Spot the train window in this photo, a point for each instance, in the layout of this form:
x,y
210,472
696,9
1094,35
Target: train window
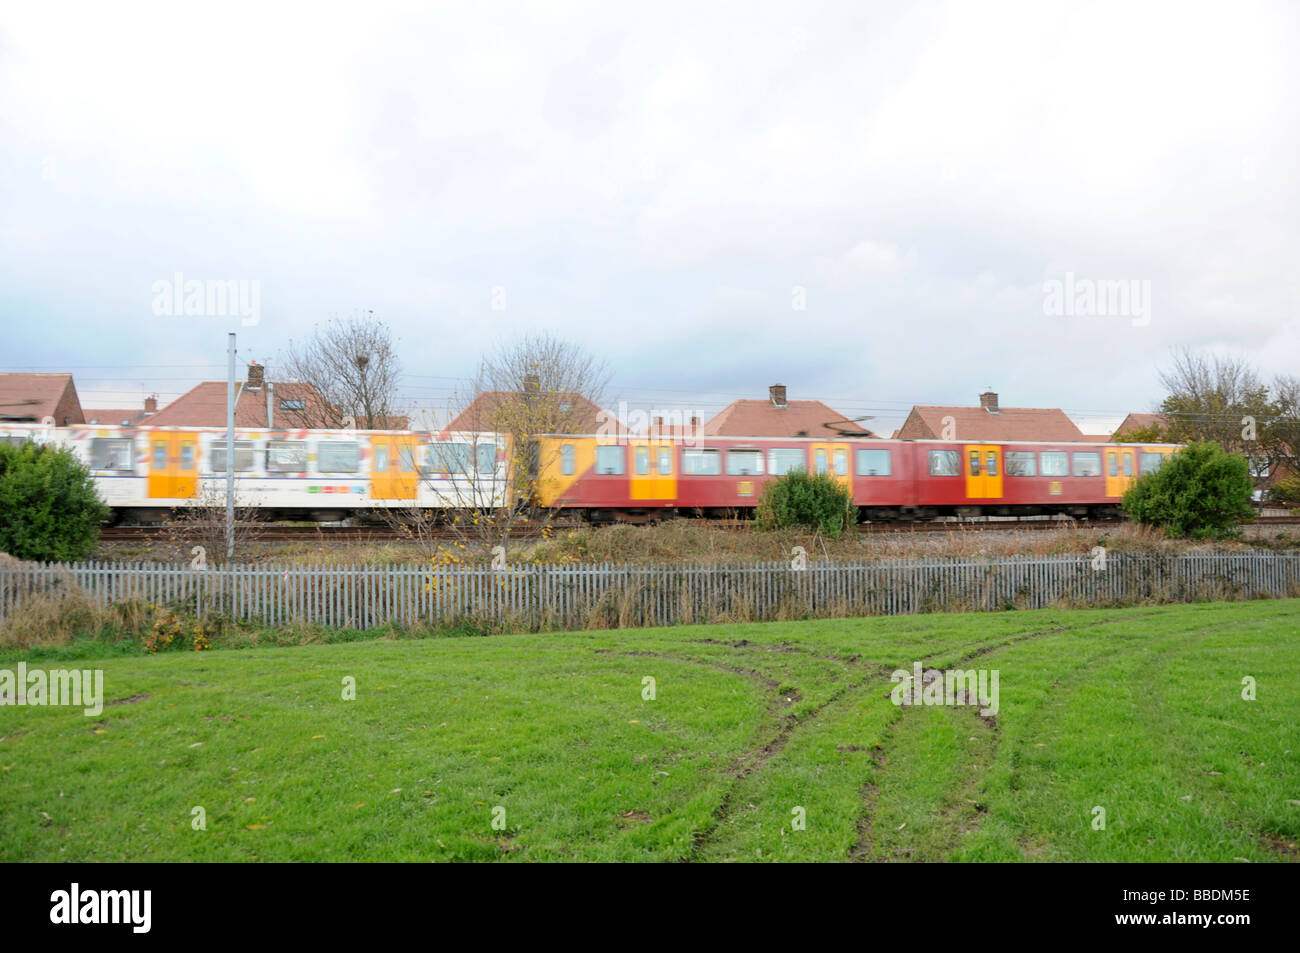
x,y
448,458
945,463
991,463
841,463
877,463
642,461
1021,463
159,455
381,458
110,453
338,456
567,459
1113,464
819,461
187,454
744,462
286,456
664,461
609,460
1151,462
974,463
243,456
781,461
1054,463
701,463
1087,464
1126,459
485,455
406,458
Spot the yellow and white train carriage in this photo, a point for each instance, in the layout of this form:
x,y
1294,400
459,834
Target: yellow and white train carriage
x,y
142,472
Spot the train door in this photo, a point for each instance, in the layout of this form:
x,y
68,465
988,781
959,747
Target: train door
x,y
1120,470
983,472
654,470
833,460
392,468
173,466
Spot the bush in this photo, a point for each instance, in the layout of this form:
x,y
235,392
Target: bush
x,y
815,501
1286,491
1200,493
49,509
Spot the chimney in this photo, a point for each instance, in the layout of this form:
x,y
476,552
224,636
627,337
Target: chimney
x,y
989,401
255,371
270,406
777,393
151,404
695,421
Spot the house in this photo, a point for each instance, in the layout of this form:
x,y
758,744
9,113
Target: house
x,y
123,416
258,403
506,411
992,422
1142,422
31,398
778,416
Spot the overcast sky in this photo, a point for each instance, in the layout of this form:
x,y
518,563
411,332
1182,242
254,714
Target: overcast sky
x,y
861,201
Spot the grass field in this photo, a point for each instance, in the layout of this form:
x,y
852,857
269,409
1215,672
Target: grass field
x,y
1137,711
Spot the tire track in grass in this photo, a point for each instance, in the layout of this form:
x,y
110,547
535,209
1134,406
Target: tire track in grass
x,y
982,753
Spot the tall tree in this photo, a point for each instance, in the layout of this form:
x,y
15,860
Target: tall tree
x,y
353,365
1223,399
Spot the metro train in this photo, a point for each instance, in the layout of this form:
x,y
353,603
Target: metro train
x,y
144,472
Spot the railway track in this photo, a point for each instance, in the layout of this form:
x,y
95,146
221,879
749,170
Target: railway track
x,y
330,535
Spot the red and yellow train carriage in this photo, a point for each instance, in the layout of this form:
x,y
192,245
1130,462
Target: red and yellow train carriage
x,y
646,478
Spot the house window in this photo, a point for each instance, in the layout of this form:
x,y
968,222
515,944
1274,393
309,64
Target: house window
x,y
293,404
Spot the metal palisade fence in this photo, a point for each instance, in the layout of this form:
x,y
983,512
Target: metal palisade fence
x,y
533,597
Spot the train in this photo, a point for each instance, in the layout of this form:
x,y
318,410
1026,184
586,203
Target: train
x,y
144,473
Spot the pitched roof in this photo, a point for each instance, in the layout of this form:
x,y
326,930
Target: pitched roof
x,y
796,418
37,396
489,411
114,417
1135,421
205,406
976,423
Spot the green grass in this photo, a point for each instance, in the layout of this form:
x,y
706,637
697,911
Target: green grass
x,y
1138,711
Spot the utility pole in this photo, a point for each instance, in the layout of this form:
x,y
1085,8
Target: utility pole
x,y
230,448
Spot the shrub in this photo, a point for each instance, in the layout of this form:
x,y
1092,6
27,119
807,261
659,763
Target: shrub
x,y
49,509
816,501
1200,493
1286,491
